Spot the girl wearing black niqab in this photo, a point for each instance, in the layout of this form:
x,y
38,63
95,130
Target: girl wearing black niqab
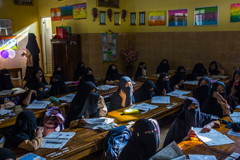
x,y
198,71
203,91
112,74
79,71
163,66
37,76
214,69
123,97
6,79
6,154
141,71
59,71
163,85
58,86
32,55
179,78
215,103
87,76
190,116
144,142
85,104
145,92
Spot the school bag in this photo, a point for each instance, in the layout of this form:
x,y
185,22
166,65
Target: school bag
x,y
53,120
115,141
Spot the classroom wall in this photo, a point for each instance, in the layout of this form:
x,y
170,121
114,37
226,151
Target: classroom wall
x,y
24,21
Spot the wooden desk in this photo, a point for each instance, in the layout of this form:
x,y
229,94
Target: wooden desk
x,y
221,152
19,92
87,141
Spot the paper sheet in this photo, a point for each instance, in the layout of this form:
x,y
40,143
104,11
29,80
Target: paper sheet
x,y
69,82
171,151
201,157
235,116
177,93
4,111
161,99
105,87
191,82
143,107
31,156
212,138
68,97
238,106
7,92
219,77
232,133
38,104
95,123
53,143
60,135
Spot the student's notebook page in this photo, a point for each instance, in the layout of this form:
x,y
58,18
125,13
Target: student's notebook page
x,y
7,92
232,133
191,82
219,77
143,107
171,151
4,111
38,104
31,156
53,143
105,87
95,123
68,97
60,135
201,157
161,99
235,116
212,138
177,93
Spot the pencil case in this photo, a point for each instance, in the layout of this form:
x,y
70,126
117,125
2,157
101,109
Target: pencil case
x,y
53,99
131,111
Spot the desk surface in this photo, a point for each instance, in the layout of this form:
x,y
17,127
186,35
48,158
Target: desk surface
x,y
87,141
19,92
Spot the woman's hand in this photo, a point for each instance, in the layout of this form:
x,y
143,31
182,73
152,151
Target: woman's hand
x,y
191,133
39,133
176,87
34,92
122,94
164,92
81,122
207,128
181,82
218,96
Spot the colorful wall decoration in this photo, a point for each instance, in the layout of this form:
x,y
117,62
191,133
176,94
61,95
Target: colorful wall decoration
x,y
8,42
67,12
80,11
235,12
178,17
157,18
108,3
204,16
109,46
56,14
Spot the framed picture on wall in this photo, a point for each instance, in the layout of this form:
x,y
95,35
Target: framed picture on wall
x,y
117,18
133,18
23,2
56,14
142,18
235,12
80,11
102,17
108,3
157,18
206,16
67,12
178,17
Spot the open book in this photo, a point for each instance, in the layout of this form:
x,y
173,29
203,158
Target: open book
x,y
7,92
68,98
38,104
143,107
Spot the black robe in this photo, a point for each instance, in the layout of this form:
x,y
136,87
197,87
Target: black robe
x,y
174,80
112,75
33,79
79,71
6,82
23,129
33,48
203,91
237,94
116,100
163,67
6,154
215,71
85,103
185,120
144,93
160,85
198,71
59,73
139,71
86,78
58,87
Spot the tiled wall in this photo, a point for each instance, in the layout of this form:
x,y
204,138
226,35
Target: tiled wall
x,y
180,48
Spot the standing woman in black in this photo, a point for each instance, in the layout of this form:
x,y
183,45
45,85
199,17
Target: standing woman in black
x,y
141,71
163,67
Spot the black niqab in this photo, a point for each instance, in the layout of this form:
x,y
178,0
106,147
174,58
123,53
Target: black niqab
x,y
112,75
59,73
139,71
162,85
203,91
6,81
215,71
79,71
174,80
6,154
33,79
163,67
198,71
144,93
33,48
58,87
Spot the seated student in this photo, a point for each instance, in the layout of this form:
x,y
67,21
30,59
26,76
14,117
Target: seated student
x,y
203,91
123,97
163,85
6,154
190,116
58,70
87,76
58,86
79,71
5,79
145,92
25,133
179,78
214,69
36,77
141,71
144,142
163,67
198,72
233,90
5,104
112,75
86,103
36,93
215,103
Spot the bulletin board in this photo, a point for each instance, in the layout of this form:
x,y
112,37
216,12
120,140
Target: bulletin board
x,y
109,47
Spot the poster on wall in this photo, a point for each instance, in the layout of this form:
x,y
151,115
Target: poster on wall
x,y
80,11
235,12
108,3
205,16
109,47
157,18
6,27
56,14
8,42
23,2
178,17
67,12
